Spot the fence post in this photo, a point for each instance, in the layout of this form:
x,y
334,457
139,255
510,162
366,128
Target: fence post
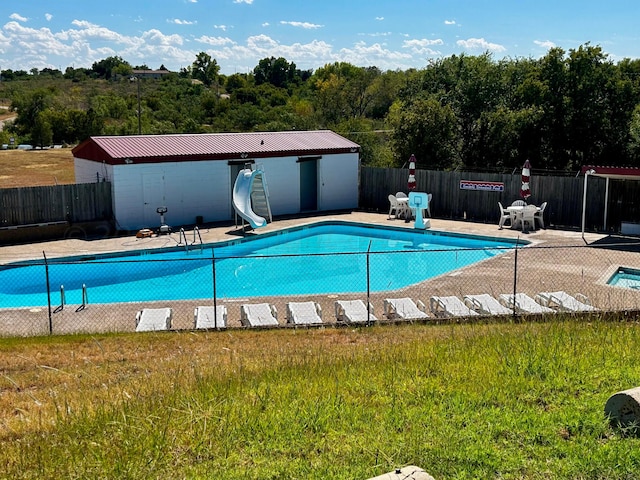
x,y
46,271
368,286
515,278
215,295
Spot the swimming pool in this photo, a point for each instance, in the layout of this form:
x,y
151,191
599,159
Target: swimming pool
x,y
322,258
626,277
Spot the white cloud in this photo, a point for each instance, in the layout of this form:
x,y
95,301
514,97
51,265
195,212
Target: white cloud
x,y
422,47
305,25
215,41
221,27
18,18
379,18
480,44
449,22
266,24
248,2
177,21
48,16
545,44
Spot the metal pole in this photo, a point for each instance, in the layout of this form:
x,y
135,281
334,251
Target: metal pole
x,y
368,285
215,296
515,278
46,269
139,111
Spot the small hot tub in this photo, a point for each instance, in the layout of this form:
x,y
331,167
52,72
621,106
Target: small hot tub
x,y
625,277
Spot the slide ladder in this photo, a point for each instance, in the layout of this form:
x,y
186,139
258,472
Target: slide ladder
x,y
260,196
250,196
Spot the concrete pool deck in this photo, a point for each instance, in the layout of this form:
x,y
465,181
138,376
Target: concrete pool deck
x,y
210,234
563,262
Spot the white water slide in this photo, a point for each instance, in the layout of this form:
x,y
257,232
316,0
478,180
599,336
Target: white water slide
x,y
242,198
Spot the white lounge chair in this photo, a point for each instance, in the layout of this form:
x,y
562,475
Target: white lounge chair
x,y
563,302
210,317
404,308
258,315
153,319
354,311
523,303
304,313
450,306
485,304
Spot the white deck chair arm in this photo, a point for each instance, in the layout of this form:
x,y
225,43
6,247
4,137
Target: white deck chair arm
x,y
543,300
472,303
274,311
583,298
319,309
421,306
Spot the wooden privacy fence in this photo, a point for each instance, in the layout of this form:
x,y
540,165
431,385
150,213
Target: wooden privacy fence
x,y
74,203
89,202
564,196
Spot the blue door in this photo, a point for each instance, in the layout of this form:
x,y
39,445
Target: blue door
x,y
308,184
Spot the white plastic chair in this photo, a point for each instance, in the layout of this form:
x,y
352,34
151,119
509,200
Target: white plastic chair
x,y
505,215
258,315
304,313
353,311
210,317
153,319
529,217
539,215
393,206
404,308
523,303
564,302
429,197
518,203
450,306
485,304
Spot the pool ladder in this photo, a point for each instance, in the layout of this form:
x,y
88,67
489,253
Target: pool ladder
x,y
85,299
183,235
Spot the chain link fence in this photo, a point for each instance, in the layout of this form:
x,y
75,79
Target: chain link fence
x,y
105,293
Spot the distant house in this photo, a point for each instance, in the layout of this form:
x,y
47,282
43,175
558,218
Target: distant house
x,y
193,174
154,74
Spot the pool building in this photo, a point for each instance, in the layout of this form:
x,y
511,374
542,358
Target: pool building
x,y
192,175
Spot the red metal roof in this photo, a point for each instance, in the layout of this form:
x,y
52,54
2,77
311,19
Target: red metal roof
x,y
620,173
216,146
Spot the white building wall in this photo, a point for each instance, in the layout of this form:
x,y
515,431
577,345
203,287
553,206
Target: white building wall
x,y
203,188
87,171
189,189
283,183
338,178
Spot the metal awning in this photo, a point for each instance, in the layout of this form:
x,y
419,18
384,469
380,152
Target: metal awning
x,y
617,173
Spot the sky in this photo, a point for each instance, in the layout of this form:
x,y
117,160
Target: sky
x,y
390,35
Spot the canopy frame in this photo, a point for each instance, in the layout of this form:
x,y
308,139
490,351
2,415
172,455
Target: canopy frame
x,y
616,173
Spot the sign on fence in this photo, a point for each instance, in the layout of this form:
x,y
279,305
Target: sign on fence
x,y
479,185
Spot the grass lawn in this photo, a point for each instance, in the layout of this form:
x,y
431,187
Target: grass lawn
x,y
461,401
34,168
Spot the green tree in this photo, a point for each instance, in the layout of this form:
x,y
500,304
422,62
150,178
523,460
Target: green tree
x,y
426,128
111,66
205,69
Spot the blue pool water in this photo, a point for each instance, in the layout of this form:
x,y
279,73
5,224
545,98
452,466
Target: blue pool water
x,y
328,257
626,277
